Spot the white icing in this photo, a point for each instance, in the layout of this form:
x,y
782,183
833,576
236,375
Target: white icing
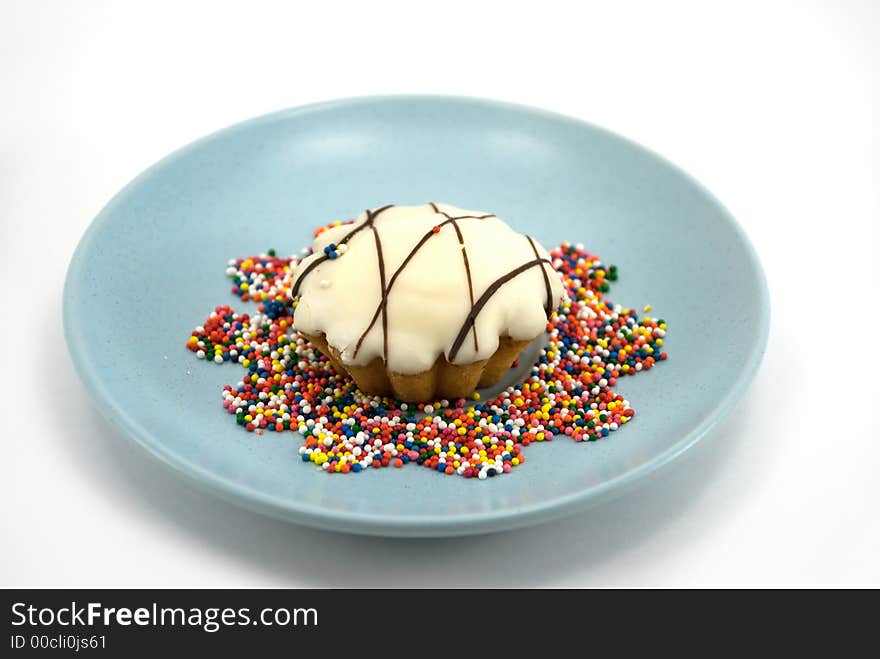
x,y
429,301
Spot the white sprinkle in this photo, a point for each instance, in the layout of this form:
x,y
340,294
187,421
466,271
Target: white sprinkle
x,y
324,283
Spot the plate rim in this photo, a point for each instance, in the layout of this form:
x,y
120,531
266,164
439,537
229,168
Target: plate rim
x,y
383,524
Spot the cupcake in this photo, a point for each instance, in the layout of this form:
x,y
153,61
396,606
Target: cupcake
x,y
424,302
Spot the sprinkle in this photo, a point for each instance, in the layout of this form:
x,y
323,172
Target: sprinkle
x,y
324,283
288,385
333,250
647,308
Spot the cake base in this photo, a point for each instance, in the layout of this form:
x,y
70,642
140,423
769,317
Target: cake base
x,y
443,380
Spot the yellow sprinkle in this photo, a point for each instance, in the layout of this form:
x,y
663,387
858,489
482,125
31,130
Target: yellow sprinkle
x,y
647,308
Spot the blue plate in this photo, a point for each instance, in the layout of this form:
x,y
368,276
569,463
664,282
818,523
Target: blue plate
x,y
151,266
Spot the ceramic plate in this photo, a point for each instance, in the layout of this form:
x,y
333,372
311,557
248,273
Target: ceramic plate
x,y
151,266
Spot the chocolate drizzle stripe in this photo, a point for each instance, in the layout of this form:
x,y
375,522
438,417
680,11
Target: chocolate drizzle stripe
x,y
311,266
381,258
460,217
467,269
548,305
383,303
484,298
371,216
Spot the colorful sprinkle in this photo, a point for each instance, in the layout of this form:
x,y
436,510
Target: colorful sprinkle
x,y
288,385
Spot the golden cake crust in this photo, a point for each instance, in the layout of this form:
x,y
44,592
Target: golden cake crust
x,y
443,380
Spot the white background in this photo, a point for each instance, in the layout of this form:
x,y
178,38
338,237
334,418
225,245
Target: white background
x,y
772,105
